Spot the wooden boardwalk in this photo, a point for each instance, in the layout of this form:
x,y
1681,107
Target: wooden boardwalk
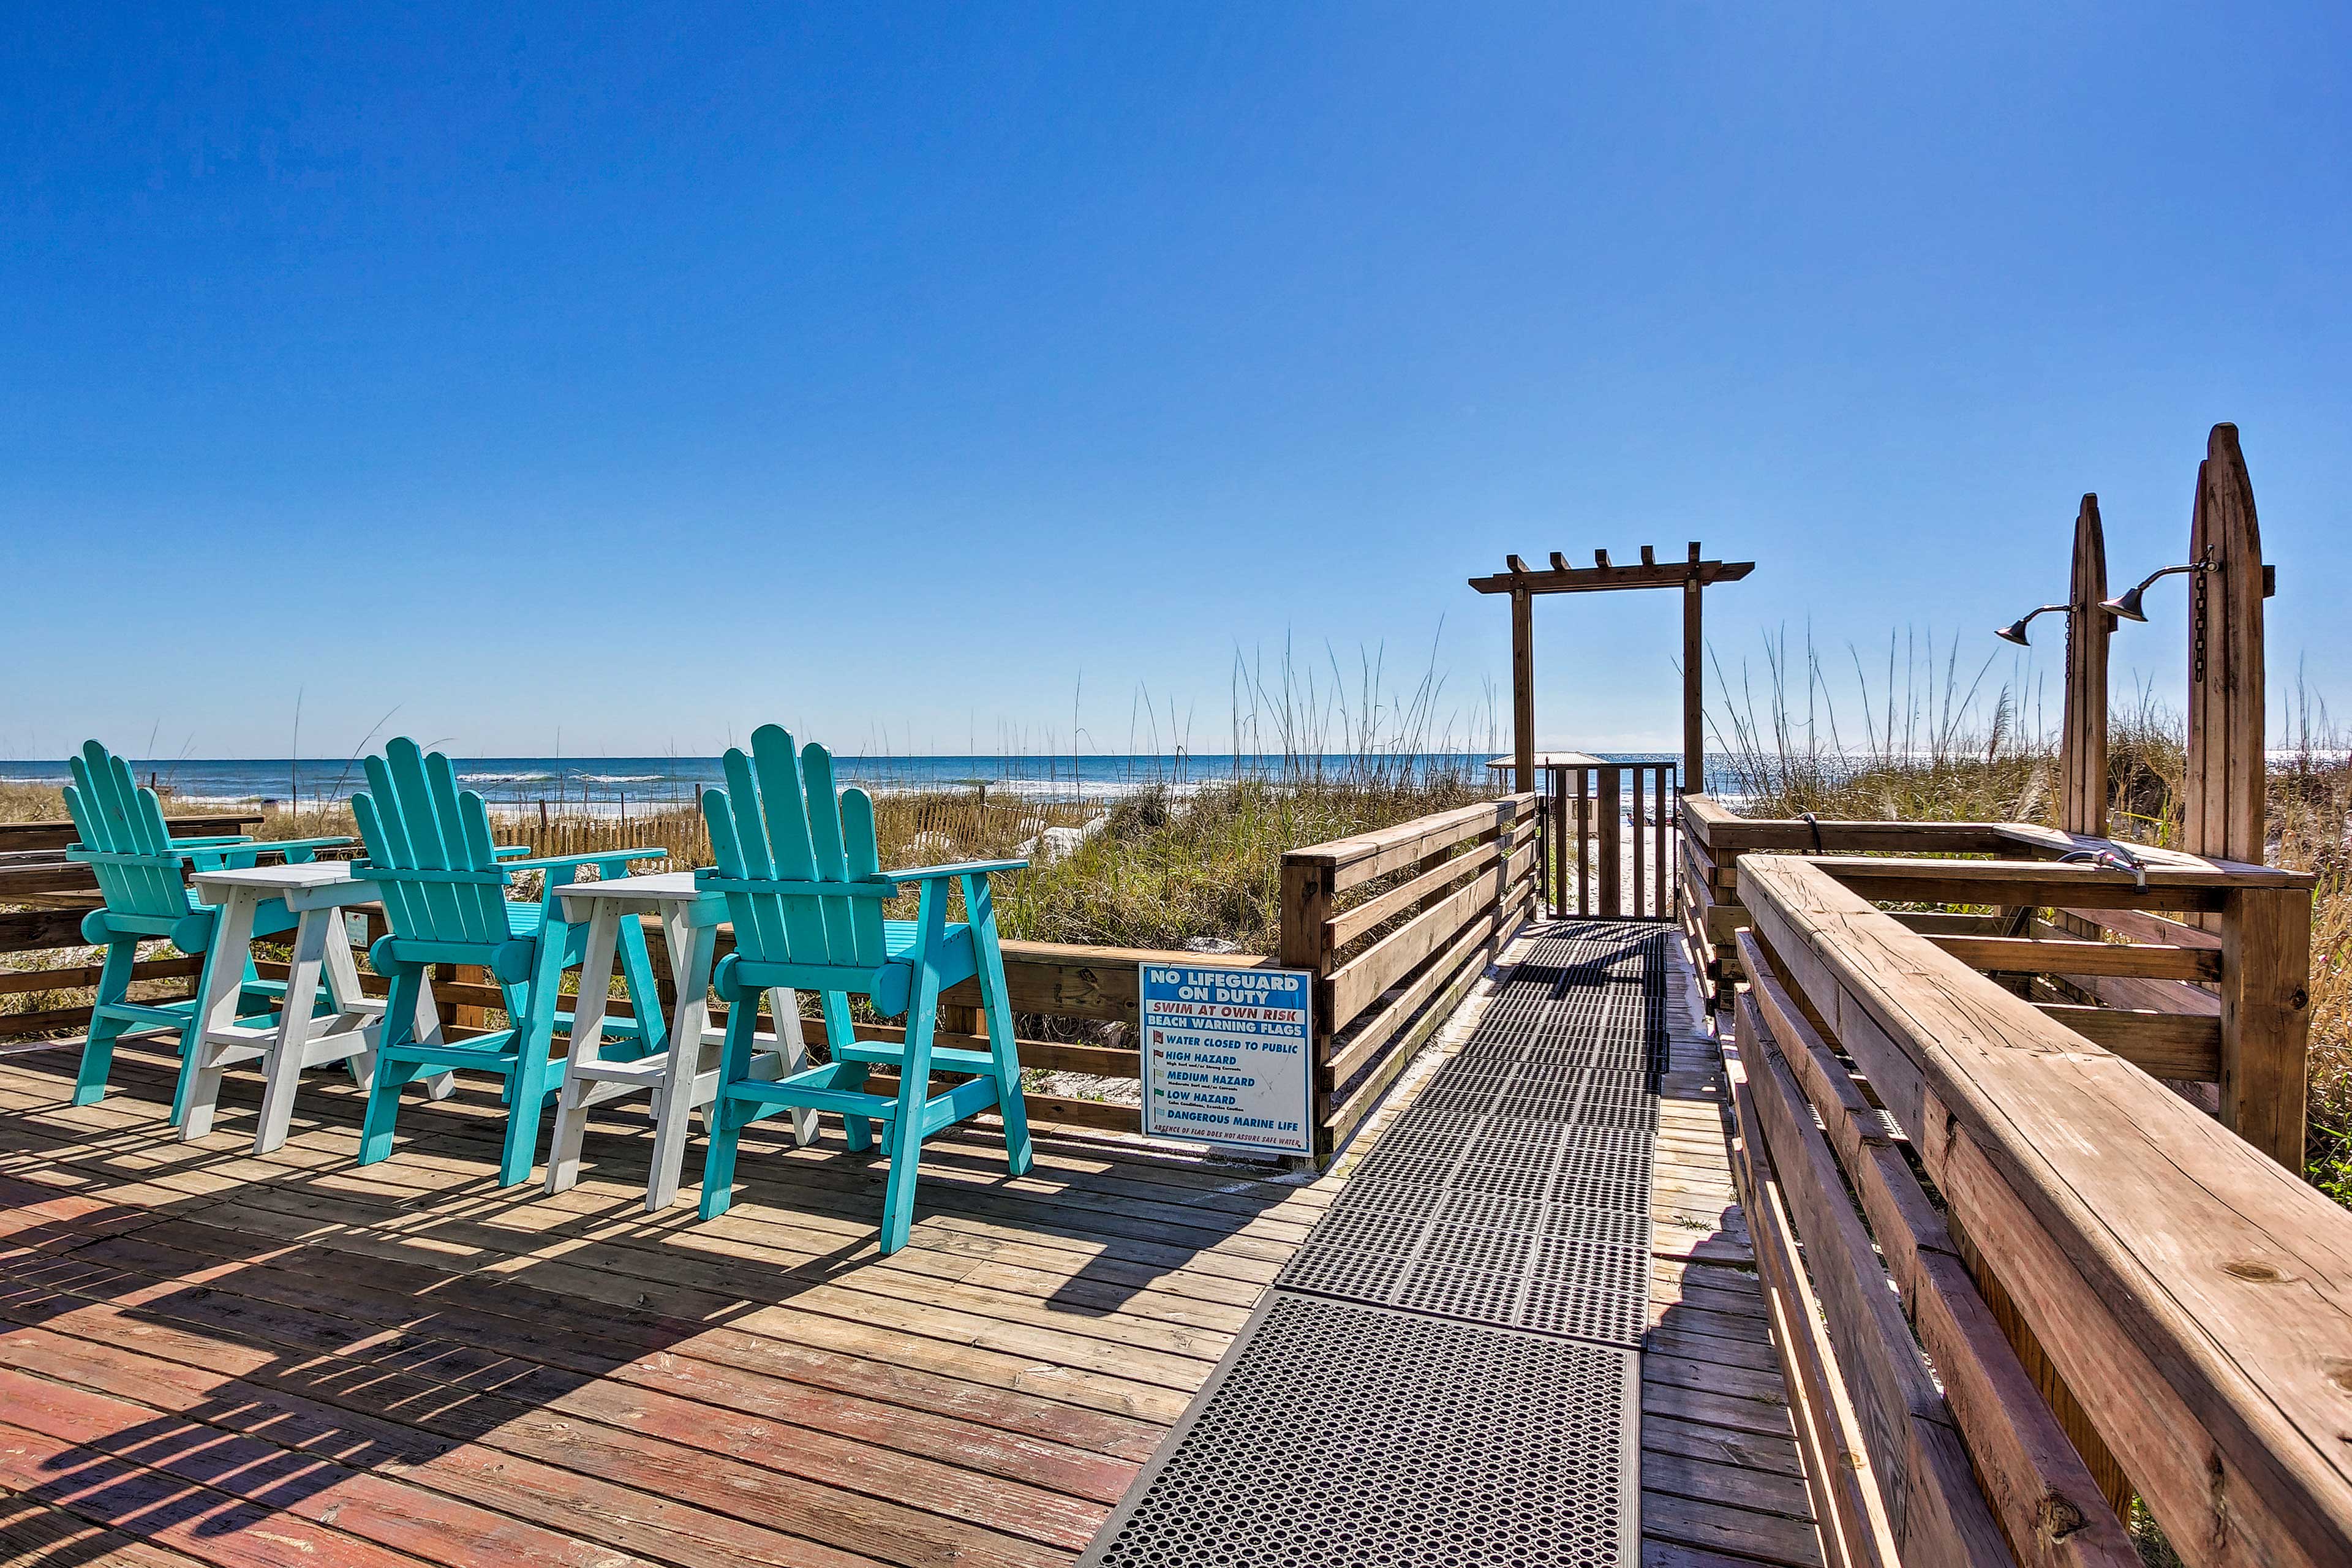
x,y
1722,1486
1721,1483
209,1357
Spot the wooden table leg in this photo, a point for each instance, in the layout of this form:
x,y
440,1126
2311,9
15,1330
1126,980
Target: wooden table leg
x,y
587,1045
220,991
353,1009
692,948
282,1062
791,1052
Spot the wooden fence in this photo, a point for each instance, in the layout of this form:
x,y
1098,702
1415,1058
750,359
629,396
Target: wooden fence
x,y
51,895
1391,957
1394,925
2227,1005
2016,1281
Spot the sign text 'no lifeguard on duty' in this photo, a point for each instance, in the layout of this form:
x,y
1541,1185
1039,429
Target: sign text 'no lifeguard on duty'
x,y
1226,1057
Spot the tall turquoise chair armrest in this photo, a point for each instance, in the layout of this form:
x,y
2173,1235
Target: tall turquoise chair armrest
x,y
240,854
587,857
963,868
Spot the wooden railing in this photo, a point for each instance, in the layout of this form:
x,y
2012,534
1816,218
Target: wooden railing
x,y
2015,1280
1395,925
2196,971
1045,981
53,894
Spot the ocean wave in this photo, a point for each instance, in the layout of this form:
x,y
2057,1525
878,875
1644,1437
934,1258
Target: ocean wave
x,y
620,778
503,778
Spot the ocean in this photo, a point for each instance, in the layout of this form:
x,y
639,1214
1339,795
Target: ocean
x,y
612,785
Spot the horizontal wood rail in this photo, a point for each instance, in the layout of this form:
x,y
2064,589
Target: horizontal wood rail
x,y
1391,964
2182,998
1394,925
1044,979
2072,955
57,835
2185,1302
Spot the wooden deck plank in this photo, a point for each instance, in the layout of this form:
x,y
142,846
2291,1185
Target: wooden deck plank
x,y
408,1361
832,1440
38,1532
224,1305
1722,1480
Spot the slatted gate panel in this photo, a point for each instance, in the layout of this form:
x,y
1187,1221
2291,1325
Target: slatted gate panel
x,y
1595,814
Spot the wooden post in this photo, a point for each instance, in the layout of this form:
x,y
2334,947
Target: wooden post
x,y
2083,742
2222,813
1523,691
1694,685
1640,893
469,1016
1584,787
1306,895
2266,1017
1553,888
1611,846
1669,885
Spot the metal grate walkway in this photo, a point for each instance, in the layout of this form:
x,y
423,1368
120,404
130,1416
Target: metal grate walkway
x,y
1447,1371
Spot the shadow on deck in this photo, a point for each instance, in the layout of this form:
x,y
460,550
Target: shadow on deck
x,y
244,1360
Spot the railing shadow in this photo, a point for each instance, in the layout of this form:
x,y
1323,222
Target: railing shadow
x,y
204,1343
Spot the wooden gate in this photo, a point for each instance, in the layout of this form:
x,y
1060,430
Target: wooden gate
x,y
1609,827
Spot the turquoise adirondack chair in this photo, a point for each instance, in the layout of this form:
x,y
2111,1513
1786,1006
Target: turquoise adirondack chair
x,y
143,874
444,884
800,870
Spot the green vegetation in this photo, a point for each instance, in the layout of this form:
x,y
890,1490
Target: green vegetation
x,y
1171,867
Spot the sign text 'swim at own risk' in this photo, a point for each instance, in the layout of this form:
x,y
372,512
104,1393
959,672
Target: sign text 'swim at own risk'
x,y
1226,1057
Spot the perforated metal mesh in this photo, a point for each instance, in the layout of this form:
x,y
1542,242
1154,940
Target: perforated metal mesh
x,y
1445,1373
1516,1189
1340,1433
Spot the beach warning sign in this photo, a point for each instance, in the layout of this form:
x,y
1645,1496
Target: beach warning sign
x,y
1226,1057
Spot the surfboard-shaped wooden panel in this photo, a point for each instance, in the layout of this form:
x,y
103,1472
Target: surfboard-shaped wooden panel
x,y
2082,742
2221,813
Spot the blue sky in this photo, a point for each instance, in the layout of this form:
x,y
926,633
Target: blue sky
x,y
914,374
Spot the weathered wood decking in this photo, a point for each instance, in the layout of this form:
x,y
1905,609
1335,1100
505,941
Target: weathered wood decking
x,y
206,1356
1721,1480
1722,1485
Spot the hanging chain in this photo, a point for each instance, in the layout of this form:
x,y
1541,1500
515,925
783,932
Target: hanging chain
x,y
2197,627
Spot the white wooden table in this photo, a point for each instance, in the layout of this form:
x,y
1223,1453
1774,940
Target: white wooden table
x,y
317,893
683,1076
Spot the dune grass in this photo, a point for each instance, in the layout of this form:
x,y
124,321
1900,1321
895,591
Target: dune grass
x,y
1171,867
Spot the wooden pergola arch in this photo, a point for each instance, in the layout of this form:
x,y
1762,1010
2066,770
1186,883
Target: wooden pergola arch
x,y
1691,575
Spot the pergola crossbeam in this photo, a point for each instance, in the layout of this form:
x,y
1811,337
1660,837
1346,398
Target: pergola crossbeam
x,y
1564,579
1690,575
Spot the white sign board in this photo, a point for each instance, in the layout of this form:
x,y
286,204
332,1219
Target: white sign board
x,y
1227,1057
